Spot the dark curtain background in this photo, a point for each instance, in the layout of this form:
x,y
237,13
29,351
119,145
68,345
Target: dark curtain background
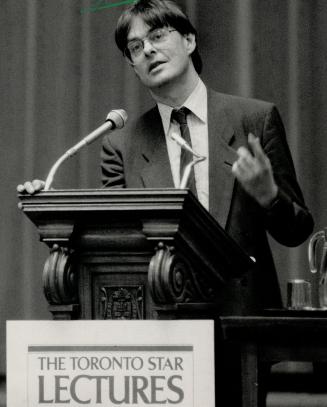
x,y
60,74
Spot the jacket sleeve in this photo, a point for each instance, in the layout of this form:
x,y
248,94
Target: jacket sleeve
x,y
112,167
287,219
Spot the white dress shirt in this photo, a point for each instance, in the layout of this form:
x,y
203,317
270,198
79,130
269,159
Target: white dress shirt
x,y
197,121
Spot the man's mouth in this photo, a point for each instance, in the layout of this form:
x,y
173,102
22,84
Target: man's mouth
x,y
154,65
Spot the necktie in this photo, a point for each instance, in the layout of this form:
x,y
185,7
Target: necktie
x,y
180,116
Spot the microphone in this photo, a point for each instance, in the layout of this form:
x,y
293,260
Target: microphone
x,y
179,140
187,172
116,119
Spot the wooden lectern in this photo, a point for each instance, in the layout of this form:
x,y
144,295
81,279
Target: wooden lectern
x,y
132,254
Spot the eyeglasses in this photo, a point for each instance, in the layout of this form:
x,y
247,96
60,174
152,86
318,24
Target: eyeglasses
x,y
156,37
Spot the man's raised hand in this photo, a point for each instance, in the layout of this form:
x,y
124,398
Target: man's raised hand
x,y
254,172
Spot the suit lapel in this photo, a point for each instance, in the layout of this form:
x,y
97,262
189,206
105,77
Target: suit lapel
x,y
156,170
221,158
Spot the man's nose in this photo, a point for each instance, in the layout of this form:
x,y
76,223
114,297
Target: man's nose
x,y
148,48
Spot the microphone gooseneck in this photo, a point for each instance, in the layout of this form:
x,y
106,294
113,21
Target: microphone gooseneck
x,y
116,119
197,158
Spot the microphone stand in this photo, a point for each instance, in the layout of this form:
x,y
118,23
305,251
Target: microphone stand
x,y
72,151
196,159
116,119
187,171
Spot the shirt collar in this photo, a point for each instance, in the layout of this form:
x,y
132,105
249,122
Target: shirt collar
x,y
195,103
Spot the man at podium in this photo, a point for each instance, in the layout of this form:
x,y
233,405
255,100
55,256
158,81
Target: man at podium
x,y
247,180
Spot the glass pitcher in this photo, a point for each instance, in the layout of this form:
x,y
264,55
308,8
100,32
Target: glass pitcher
x,y
317,253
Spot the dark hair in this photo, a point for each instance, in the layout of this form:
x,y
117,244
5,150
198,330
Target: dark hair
x,y
157,14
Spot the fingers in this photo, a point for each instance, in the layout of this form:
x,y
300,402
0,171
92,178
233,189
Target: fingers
x,y
31,187
20,188
256,148
245,159
254,172
38,184
251,157
245,165
243,171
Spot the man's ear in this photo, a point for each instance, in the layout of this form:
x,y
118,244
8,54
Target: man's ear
x,y
190,42
129,61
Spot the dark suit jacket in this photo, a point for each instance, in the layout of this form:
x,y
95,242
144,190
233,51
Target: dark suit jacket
x,y
137,157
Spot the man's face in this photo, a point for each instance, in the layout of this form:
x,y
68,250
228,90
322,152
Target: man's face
x,y
160,65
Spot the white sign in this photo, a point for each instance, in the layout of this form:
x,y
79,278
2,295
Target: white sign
x,y
110,363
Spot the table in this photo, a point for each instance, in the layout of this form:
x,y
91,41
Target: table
x,y
271,339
